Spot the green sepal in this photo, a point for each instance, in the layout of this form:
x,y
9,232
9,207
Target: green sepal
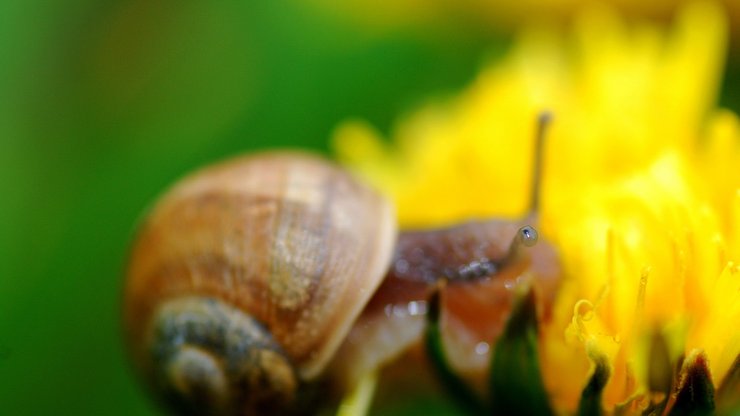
x,y
694,393
515,378
661,374
466,399
728,394
661,371
590,403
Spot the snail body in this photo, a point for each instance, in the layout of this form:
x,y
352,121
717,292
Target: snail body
x,y
255,283
477,268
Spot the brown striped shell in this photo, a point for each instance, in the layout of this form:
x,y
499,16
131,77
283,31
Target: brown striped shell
x,y
287,240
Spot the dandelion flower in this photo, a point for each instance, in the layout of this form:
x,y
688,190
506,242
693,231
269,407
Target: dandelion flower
x,y
640,196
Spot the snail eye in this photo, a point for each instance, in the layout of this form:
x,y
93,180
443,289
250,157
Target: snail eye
x,y
527,236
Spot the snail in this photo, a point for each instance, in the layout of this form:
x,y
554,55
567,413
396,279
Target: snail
x,y
259,284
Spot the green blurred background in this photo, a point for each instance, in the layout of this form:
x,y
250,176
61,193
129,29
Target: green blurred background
x,y
105,103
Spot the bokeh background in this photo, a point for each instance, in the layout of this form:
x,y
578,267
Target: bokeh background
x,y
103,103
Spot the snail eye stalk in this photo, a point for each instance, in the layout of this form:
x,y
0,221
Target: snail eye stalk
x,y
543,122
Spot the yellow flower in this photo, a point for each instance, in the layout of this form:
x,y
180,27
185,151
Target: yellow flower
x,y
640,195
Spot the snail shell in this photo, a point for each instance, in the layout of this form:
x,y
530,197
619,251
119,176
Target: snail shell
x,y
246,276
